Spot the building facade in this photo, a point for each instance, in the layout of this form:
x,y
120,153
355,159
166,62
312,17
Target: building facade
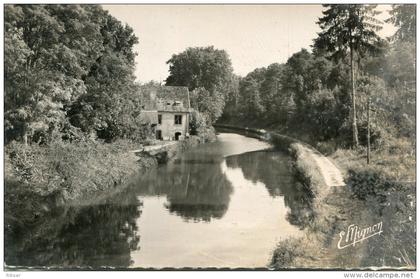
x,y
167,110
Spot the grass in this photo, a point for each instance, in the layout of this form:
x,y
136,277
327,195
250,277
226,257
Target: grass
x,y
39,178
382,191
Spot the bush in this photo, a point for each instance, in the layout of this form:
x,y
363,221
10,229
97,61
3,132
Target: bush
x,y
199,127
286,252
326,147
69,169
370,182
197,123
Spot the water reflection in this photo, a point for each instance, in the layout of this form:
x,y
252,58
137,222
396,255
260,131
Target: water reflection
x,y
195,187
89,236
224,204
268,167
273,169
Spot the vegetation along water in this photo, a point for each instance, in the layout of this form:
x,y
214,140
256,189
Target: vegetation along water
x,y
76,195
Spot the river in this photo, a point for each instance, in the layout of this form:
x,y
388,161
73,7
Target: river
x,y
222,204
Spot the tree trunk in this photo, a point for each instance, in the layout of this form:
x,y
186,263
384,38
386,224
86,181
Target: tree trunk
x,y
25,134
368,130
353,101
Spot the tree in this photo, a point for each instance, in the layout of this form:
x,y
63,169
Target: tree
x,y
197,123
271,88
203,67
349,29
231,107
110,105
251,103
44,65
67,67
403,16
209,105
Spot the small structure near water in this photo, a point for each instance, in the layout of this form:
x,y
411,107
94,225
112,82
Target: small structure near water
x,y
167,110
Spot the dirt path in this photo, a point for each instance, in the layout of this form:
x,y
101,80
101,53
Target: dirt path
x,y
331,174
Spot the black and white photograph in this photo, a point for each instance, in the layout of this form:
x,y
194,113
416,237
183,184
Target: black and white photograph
x,y
209,137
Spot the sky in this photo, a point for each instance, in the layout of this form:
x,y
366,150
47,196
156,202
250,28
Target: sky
x,y
254,36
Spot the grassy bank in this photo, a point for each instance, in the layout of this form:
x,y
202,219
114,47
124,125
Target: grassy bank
x,y
39,179
383,191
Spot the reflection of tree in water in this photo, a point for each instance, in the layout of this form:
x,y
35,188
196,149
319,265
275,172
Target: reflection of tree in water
x,y
90,236
299,200
267,167
272,169
196,188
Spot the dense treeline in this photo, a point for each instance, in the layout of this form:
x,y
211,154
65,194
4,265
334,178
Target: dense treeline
x,y
68,73
311,94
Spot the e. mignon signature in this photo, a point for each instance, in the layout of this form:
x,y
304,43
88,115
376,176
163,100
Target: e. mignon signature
x,y
355,234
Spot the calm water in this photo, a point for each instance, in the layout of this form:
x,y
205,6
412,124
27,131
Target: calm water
x,y
223,204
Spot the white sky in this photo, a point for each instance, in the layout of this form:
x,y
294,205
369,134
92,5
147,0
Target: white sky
x,y
253,35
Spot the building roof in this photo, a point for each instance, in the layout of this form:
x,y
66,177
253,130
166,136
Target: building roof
x,y
165,98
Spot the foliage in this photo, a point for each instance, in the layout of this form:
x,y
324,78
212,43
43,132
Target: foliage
x,y
68,66
208,73
403,16
200,67
70,169
308,96
368,182
197,123
349,29
286,252
231,108
251,103
209,104
351,26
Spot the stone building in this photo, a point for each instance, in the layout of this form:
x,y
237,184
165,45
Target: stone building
x,y
167,110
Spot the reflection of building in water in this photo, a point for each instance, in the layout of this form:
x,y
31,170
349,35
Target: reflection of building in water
x,y
196,191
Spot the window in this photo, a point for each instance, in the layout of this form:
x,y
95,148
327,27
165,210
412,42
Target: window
x,y
178,119
159,119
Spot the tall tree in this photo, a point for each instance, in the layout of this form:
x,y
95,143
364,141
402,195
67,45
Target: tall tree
x,y
202,67
47,55
66,66
251,103
349,30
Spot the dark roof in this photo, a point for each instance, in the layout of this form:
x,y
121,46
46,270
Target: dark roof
x,y
167,98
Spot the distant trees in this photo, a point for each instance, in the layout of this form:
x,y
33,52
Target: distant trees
x,y
349,30
251,103
206,69
309,94
68,72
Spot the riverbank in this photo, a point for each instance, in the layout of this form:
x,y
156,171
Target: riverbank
x,y
39,179
372,194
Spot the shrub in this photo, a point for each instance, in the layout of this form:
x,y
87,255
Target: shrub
x,y
197,123
370,182
326,147
286,252
70,168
